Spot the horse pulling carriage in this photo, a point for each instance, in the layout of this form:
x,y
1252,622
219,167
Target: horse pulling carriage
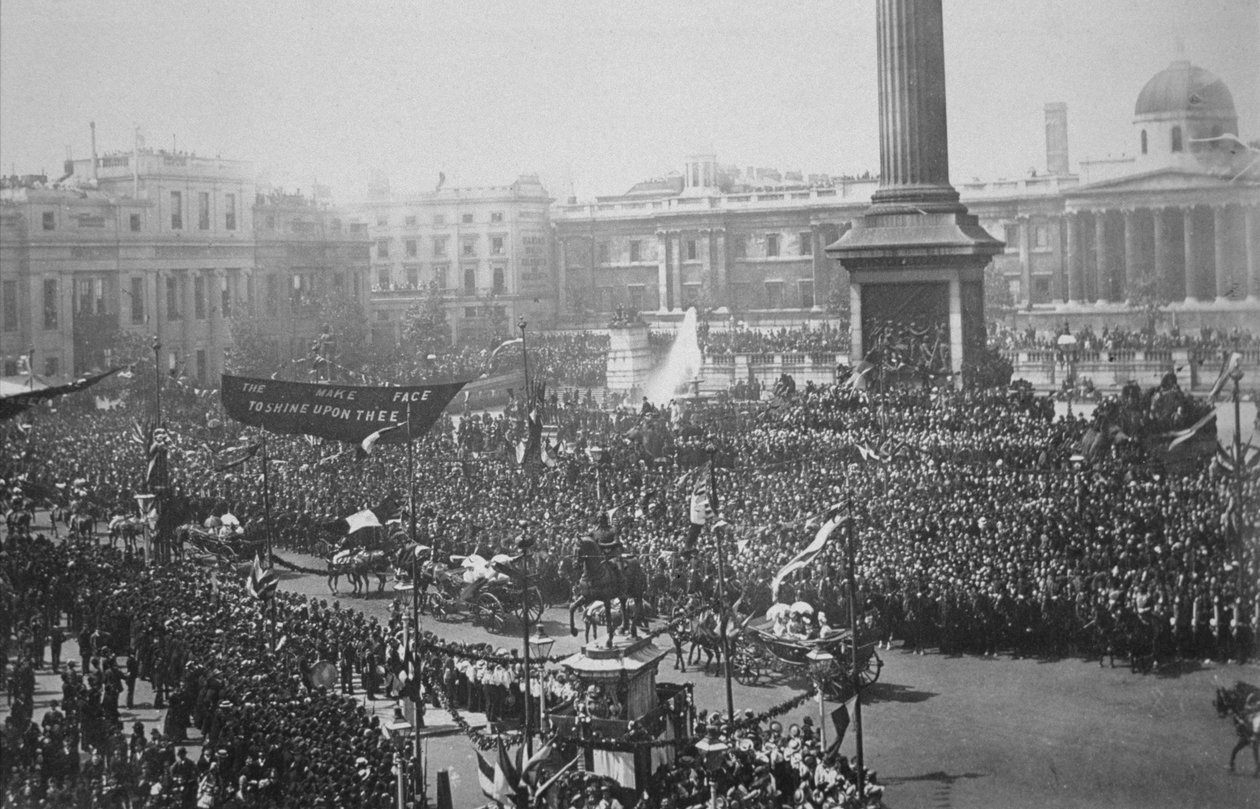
x,y
758,652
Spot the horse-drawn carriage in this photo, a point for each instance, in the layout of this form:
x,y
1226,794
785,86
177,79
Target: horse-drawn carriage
x,y
758,652
219,541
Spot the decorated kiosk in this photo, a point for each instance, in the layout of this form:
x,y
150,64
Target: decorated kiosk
x,y
623,723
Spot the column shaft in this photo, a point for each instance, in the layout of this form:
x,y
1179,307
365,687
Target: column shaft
x,y
1251,241
1025,264
1163,270
562,275
1191,254
1130,253
662,271
1102,263
1220,252
1075,261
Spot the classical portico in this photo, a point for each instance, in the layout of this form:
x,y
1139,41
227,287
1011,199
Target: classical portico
x,y
1201,242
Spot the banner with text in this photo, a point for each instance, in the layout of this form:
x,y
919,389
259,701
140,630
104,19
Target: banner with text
x,y
337,412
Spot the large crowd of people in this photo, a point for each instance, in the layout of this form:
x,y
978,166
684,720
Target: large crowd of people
x,y
980,525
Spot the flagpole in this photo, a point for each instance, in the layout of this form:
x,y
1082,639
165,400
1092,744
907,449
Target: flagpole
x,y
853,648
721,560
266,462
1236,376
421,790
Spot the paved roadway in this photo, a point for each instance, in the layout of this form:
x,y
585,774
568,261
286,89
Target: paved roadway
x,y
946,732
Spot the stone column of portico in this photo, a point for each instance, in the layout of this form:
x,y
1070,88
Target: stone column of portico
x,y
1251,241
1163,270
216,331
1220,251
676,277
662,270
1075,261
562,276
720,294
1102,260
1130,252
155,309
1191,254
1025,264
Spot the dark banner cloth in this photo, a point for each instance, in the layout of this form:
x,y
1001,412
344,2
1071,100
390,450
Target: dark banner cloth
x,y
337,412
11,406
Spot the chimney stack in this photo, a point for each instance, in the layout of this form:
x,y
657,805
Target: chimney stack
x,y
1057,139
94,175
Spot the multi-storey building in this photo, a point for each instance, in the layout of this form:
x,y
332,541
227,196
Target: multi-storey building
x,y
1185,211
485,251
149,242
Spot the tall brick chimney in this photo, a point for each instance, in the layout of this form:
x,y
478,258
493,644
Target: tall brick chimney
x,y
1056,138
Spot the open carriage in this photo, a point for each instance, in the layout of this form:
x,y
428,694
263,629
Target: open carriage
x,y
758,653
494,603
214,543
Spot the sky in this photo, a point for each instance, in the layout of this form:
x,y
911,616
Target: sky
x,y
592,96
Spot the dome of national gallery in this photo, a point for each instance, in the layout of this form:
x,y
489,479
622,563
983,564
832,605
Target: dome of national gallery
x,y
1185,89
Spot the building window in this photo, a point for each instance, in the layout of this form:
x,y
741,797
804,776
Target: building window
x,y
50,220
470,313
52,366
270,221
496,216
496,246
805,242
172,299
439,276
603,252
693,250
410,246
413,276
691,295
439,219
137,299
470,281
229,216
225,295
135,223
774,294
466,219
382,248
741,246
177,210
468,248
636,250
382,221
51,307
635,293
410,221
203,210
439,247
382,278
1176,139
498,280
199,298
1143,141
1011,236
772,245
807,293
10,306
201,366
273,295
1041,237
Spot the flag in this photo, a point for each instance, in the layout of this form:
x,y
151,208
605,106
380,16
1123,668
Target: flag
x,y
506,344
262,581
529,770
811,551
841,717
1228,367
869,454
250,452
496,780
365,447
1182,436
362,519
702,500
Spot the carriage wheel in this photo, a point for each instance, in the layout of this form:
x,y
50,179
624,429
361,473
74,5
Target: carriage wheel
x,y
489,613
746,664
536,605
868,674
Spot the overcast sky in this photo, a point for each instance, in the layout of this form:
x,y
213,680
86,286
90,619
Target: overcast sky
x,y
600,94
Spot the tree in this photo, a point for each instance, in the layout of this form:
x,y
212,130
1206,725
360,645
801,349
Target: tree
x,y
1148,296
343,319
425,330
998,300
251,353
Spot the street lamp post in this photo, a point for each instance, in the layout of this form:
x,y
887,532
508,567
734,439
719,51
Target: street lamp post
x,y
524,544
520,324
711,449
539,649
1067,343
398,733
713,750
821,666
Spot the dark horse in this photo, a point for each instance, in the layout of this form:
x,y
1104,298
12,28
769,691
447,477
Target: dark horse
x,y
604,579
1242,705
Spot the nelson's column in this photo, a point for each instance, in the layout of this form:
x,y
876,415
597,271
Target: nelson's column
x,y
916,258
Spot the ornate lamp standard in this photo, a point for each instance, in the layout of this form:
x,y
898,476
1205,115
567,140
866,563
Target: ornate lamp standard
x,y
539,649
399,733
1067,344
714,751
822,666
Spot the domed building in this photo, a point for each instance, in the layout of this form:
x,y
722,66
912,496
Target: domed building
x,y
1179,113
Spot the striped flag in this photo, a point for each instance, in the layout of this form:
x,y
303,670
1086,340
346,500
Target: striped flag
x,y
1181,436
840,719
496,780
262,582
703,504
365,448
1228,367
810,551
155,475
